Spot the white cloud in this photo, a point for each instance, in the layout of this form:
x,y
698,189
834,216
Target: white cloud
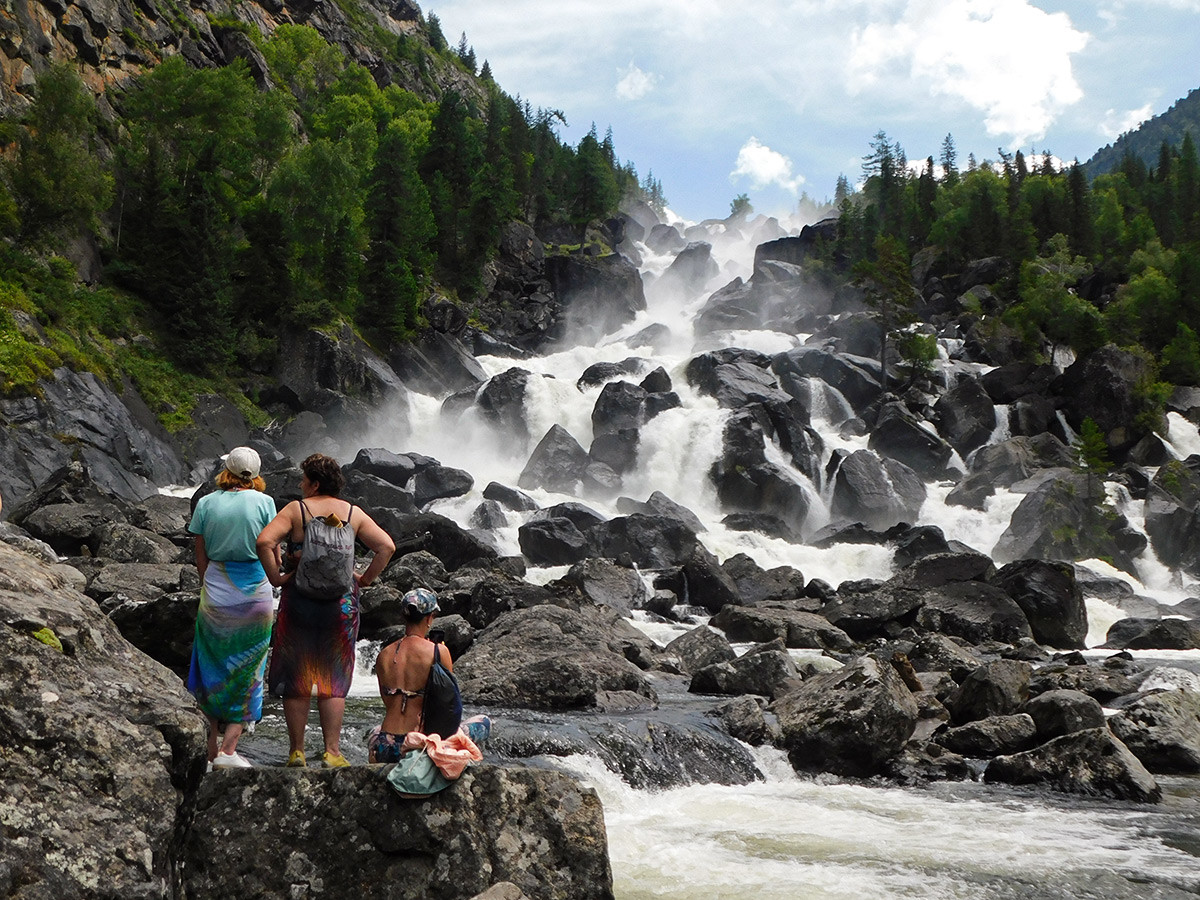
x,y
635,84
1117,123
764,166
1006,58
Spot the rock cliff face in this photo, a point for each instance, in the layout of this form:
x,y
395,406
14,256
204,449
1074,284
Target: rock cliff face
x,y
102,758
112,41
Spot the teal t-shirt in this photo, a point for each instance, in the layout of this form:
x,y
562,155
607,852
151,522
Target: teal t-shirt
x,y
229,522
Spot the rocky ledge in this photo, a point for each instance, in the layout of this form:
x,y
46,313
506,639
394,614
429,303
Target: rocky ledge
x,y
105,793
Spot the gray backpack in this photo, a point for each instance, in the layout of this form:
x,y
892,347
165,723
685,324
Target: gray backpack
x,y
326,567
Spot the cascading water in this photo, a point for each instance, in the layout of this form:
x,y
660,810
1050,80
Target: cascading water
x,y
788,836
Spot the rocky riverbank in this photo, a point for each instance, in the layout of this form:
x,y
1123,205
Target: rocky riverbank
x,y
102,758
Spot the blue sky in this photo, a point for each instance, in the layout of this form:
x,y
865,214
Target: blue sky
x,y
776,97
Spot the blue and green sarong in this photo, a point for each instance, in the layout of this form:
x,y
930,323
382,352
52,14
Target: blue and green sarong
x,y
233,633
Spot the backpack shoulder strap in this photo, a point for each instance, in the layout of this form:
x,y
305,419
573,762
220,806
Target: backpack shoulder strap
x,y
349,513
303,512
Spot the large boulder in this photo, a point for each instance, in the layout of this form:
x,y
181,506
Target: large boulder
x,y
346,832
1107,386
1004,464
692,268
850,721
700,647
1051,599
879,493
1056,713
1091,762
768,622
1163,730
557,463
76,416
1173,514
997,688
973,610
855,378
1064,519
598,294
901,436
132,741
546,657
966,416
765,671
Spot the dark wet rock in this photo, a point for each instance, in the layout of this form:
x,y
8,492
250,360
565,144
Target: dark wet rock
x,y
616,449
993,736
116,583
1153,634
619,407
395,468
766,672
545,657
69,526
879,493
1006,463
856,378
997,688
488,515
743,719
659,504
535,828
77,419
966,416
502,401
900,435
735,378
436,363
599,373
795,628
419,568
938,653
443,538
556,464
136,739
163,628
771,526
1091,762
921,762
1103,683
700,647
483,596
938,569
706,584
652,542
1059,521
598,294
1163,731
1106,386
373,492
607,584
1173,514
692,268
756,585
122,542
1051,599
656,382
919,542
440,482
1062,712
1008,383
164,515
850,721
509,497
867,610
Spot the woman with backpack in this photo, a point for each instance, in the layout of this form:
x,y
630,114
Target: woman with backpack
x,y
317,626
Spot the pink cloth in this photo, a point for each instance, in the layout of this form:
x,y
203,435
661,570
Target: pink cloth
x,y
451,755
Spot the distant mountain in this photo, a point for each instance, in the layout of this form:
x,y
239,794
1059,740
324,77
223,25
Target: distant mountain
x,y
1147,139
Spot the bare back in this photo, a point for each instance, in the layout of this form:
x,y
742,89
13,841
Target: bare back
x,y
402,670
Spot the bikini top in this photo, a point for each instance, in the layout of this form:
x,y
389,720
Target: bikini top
x,y
406,695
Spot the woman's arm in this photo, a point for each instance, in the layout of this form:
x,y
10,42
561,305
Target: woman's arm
x,y
378,542
201,555
279,529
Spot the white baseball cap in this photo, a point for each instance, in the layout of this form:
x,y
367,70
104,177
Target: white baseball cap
x,y
243,462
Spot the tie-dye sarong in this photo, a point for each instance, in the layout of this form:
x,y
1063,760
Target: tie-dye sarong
x,y
314,645
233,632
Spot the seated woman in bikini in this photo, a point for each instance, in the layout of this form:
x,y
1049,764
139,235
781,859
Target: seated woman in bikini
x,y
403,669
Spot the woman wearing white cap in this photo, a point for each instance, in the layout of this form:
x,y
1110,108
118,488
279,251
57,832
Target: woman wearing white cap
x,y
233,623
